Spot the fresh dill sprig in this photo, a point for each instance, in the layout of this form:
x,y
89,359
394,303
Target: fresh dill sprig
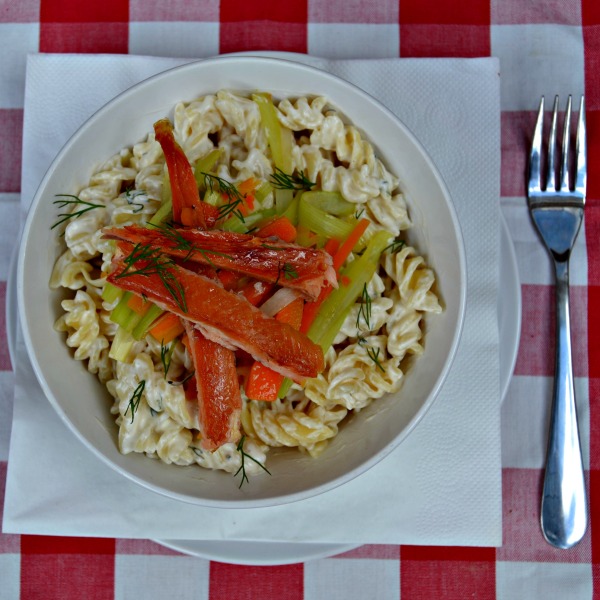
x,y
396,245
359,213
166,354
184,380
373,354
244,455
288,272
296,181
130,194
364,309
73,201
230,190
135,399
155,264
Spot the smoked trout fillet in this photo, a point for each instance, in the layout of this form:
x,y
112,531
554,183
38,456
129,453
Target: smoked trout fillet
x,y
222,316
289,265
218,390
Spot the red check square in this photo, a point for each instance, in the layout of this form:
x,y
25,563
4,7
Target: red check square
x,y
88,27
447,572
445,12
232,581
262,35
87,38
590,12
236,11
592,116
74,11
594,391
593,333
55,567
594,504
458,29
263,25
458,40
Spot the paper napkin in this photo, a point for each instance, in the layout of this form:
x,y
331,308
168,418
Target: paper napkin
x,y
442,485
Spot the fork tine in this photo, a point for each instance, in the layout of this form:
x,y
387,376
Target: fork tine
x,y
551,175
581,152
564,171
535,173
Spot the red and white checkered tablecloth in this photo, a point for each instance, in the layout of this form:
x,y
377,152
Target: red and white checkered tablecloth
x,y
544,47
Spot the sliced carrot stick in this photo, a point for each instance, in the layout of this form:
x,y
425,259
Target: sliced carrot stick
x,y
344,250
263,383
280,227
312,308
166,328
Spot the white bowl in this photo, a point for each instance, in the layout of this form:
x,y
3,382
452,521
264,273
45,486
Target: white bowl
x,y
83,403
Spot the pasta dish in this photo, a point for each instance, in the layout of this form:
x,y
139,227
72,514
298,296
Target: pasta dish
x,y
241,280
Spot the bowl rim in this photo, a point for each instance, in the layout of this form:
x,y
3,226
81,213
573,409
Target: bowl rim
x,y
284,498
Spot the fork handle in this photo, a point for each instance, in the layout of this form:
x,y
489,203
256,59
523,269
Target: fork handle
x,y
564,505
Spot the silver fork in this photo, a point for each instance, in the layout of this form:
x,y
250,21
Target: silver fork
x,y
557,211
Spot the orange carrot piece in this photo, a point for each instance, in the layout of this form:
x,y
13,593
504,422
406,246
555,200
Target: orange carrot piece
x,y
247,186
344,250
166,328
292,313
263,383
280,227
138,304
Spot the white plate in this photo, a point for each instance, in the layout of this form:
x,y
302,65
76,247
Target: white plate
x,y
280,553
264,554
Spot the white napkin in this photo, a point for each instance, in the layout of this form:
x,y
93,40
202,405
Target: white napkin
x,y
441,486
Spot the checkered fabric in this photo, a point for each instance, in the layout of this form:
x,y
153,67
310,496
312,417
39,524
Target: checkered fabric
x,y
544,46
